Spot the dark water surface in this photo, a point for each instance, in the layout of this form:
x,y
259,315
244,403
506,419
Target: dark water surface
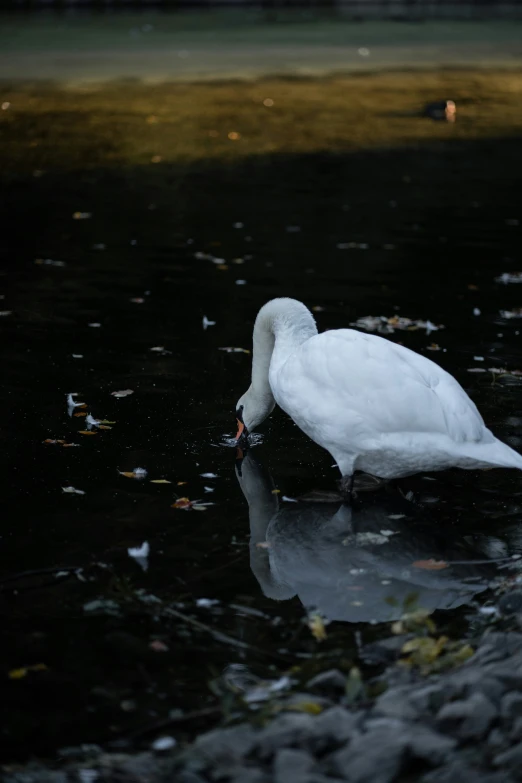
x,y
434,227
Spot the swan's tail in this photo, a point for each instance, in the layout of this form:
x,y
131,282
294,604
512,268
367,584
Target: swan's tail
x,y
495,455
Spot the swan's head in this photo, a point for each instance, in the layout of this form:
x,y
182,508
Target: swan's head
x,y
251,410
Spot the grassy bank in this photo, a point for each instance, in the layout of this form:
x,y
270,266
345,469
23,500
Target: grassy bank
x,y
130,124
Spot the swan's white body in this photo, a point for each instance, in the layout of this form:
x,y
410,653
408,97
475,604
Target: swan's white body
x,y
374,405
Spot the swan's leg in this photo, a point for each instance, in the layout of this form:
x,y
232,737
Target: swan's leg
x,y
362,482
346,486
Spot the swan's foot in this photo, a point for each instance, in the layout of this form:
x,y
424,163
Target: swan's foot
x,y
362,482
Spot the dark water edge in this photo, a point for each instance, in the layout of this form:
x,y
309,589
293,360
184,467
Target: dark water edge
x,y
449,209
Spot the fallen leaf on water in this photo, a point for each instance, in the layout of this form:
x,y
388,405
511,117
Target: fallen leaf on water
x,y
316,625
160,481
18,674
423,650
79,414
385,325
509,277
50,440
431,564
182,503
158,646
48,262
104,427
311,707
72,403
72,491
137,473
140,554
87,432
122,393
187,505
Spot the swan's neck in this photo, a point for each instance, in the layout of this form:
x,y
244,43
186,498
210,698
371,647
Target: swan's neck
x,y
281,326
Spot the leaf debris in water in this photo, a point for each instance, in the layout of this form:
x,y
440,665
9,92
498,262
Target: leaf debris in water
x,y
140,554
516,313
187,505
385,325
316,625
48,262
431,564
72,491
137,473
72,403
122,393
18,674
87,432
509,277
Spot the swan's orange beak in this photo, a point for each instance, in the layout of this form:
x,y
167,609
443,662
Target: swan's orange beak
x,y
240,429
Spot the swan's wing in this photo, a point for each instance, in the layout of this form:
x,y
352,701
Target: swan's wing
x,y
344,380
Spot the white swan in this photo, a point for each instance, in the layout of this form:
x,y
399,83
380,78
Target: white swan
x,y
375,406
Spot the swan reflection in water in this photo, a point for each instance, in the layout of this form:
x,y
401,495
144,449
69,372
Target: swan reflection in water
x,y
355,562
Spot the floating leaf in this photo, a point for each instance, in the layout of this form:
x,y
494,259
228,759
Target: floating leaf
x,y
137,473
354,688
18,674
431,564
104,427
72,491
310,707
316,625
158,646
160,481
424,650
184,503
79,414
87,432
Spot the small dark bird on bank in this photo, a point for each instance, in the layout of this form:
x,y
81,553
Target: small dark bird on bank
x,y
441,110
